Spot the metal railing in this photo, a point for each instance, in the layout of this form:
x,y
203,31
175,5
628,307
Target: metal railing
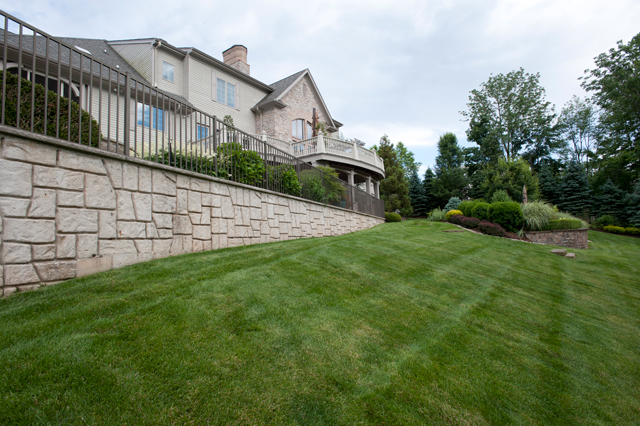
x,y
54,89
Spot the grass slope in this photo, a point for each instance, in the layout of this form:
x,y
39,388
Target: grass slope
x,y
399,324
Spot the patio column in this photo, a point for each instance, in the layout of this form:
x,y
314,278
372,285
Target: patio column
x,y
352,177
377,189
369,185
320,143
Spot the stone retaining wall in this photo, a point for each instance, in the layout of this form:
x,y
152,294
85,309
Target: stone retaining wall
x,y
68,211
574,238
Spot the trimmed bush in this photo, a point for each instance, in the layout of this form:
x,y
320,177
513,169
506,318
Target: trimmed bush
x,y
481,211
560,224
466,206
491,229
452,213
470,222
456,219
452,204
614,229
506,214
632,231
392,217
604,220
437,215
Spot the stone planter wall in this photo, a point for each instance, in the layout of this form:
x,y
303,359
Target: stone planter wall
x,y
68,211
574,238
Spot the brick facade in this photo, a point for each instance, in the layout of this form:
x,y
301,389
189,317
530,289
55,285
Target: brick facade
x,y
68,210
574,238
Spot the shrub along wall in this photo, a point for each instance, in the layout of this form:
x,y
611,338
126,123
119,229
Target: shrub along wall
x,y
69,210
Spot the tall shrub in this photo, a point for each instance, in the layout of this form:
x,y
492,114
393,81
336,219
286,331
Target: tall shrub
x,y
481,211
506,214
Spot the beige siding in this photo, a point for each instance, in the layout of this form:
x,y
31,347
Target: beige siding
x,y
202,95
177,87
139,57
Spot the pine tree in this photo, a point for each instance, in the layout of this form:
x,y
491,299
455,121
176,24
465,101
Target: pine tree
x,y
549,185
575,196
394,188
610,201
418,195
633,205
427,183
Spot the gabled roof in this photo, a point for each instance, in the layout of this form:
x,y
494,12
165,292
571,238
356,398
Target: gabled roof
x,y
282,87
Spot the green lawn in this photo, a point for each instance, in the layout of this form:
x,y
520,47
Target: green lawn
x,y
400,324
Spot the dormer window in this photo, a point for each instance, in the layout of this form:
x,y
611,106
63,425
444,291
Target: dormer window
x,y
167,71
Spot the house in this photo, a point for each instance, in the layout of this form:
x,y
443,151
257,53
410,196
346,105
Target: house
x,y
175,92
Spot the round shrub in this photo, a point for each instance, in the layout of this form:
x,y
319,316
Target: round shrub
x,y
506,214
452,204
470,222
466,206
481,211
452,213
491,229
392,217
456,219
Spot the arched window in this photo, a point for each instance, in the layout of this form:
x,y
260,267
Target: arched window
x,y
297,128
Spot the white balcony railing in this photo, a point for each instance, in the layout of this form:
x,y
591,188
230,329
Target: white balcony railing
x,y
325,145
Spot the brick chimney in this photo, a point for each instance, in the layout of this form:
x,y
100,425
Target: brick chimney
x,y
236,56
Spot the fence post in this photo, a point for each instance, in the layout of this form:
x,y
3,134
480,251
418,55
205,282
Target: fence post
x,y
127,113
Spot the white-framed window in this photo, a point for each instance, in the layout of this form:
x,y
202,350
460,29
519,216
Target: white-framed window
x,y
202,131
167,71
226,93
297,127
150,117
309,130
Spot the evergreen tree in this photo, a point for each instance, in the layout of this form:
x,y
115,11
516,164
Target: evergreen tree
x,y
427,183
451,179
633,205
610,201
575,195
549,185
394,188
418,196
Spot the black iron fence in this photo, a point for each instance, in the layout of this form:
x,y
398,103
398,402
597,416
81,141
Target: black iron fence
x,y
53,88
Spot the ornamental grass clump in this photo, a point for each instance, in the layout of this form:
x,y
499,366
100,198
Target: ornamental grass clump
x,y
536,215
437,215
453,213
491,229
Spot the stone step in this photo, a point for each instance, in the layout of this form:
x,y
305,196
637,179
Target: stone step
x,y
559,252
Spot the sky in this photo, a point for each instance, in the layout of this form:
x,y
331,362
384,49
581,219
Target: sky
x,y
401,68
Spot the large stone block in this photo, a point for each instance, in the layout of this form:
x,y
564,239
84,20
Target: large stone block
x,y
200,185
113,247
142,206
182,200
44,252
195,201
219,189
202,232
15,178
163,204
162,246
16,253
43,203
29,230
70,199
182,244
132,230
182,181
182,225
152,231
227,208
207,200
66,246
85,163
165,233
58,178
98,192
163,182
163,221
125,206
130,177
107,224
20,274
93,265
87,246
31,152
56,271
144,246
255,200
77,220
114,169
144,179
14,207
206,216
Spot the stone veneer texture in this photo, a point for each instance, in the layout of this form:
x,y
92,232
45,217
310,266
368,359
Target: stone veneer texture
x,y
69,211
574,238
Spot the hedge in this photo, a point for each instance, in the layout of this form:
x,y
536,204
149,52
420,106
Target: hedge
x,y
456,219
561,224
